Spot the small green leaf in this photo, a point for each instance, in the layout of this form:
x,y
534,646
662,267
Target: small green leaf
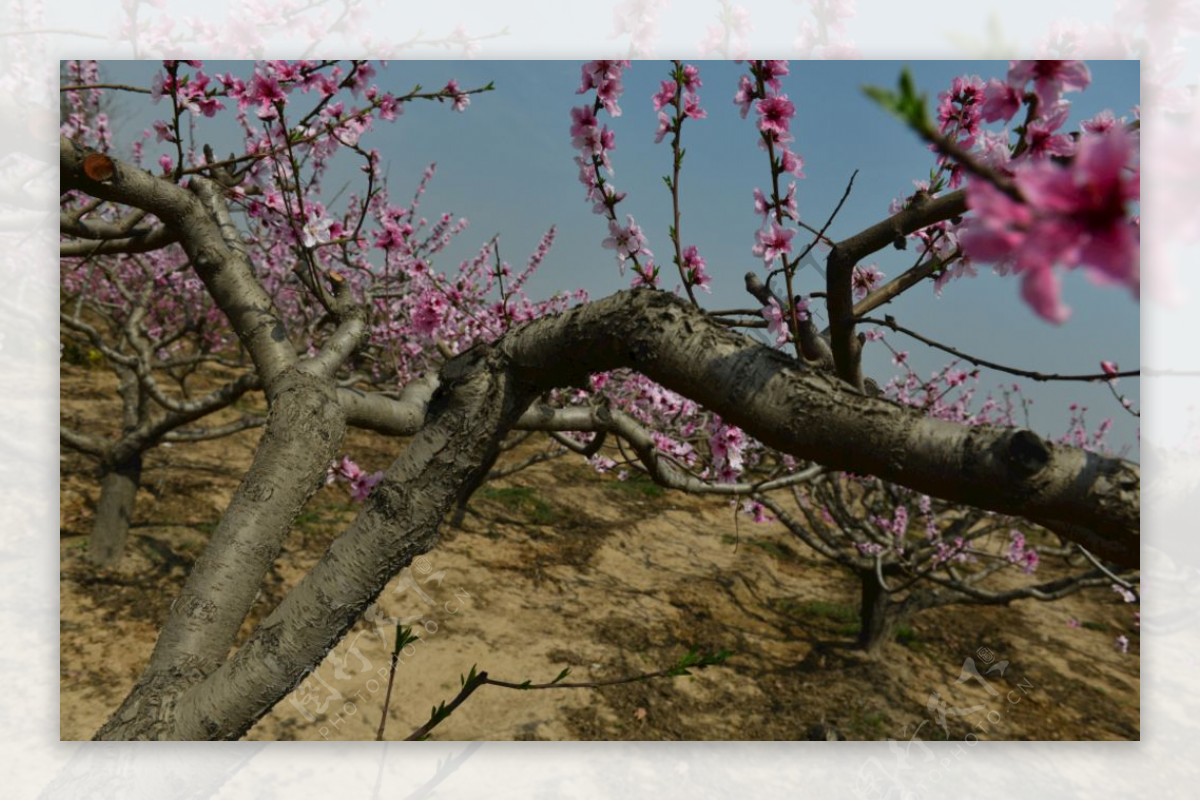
x,y
561,675
906,104
403,638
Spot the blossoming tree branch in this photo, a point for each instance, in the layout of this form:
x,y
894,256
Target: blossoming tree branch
x,y
346,320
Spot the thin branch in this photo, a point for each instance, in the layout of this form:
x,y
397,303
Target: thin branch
x,y
1033,375
122,87
821,233
473,681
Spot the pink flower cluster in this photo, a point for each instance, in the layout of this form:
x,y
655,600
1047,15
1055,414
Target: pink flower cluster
x,y
726,444
594,142
762,90
1072,196
777,321
686,102
1020,553
865,279
361,482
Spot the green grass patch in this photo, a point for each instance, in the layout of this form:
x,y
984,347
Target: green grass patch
x,y
524,501
843,617
839,613
638,485
1092,625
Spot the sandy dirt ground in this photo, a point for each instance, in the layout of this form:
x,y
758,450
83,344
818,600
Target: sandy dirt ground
x,y
557,567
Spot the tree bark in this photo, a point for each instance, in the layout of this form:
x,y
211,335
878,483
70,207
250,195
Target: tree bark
x,y
881,615
114,512
476,406
814,415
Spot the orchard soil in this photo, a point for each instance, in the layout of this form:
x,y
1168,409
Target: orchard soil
x,y
557,567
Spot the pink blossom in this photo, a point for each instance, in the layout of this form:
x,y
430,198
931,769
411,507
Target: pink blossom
x,y
316,231
583,118
665,126
691,78
361,483
788,204
598,142
361,487
1122,643
693,266
745,95
646,276
429,313
1109,368
772,242
771,72
775,116
363,73
1101,123
665,96
993,149
868,548
392,237
1050,78
1040,134
790,162
626,240
1021,555
266,91
726,444
761,204
959,110
1002,100
691,107
461,100
605,78
163,132
757,510
864,280
775,322
389,107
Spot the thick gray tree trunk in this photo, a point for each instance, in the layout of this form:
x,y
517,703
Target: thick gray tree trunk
x,y
114,512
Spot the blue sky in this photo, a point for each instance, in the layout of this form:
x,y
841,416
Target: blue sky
x,y
506,165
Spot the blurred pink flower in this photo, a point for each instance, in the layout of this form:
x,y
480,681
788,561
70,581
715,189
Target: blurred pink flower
x,y
1072,215
1050,79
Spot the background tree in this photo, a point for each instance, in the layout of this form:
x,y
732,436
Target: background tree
x,y
132,302
814,406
